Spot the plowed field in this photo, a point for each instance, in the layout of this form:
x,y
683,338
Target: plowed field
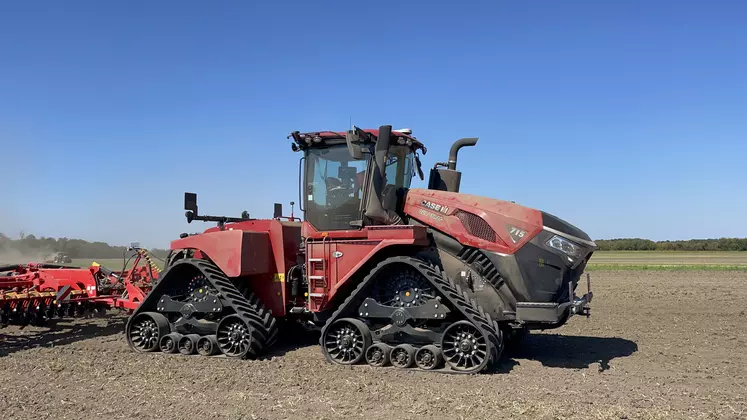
x,y
659,344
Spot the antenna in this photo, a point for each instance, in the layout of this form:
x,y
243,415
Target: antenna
x,y
350,122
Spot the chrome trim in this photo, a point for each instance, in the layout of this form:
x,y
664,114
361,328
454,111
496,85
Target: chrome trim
x,y
571,237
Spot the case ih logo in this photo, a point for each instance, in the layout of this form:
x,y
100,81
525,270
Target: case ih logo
x,y
433,206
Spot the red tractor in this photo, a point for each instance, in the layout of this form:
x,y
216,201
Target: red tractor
x,y
390,275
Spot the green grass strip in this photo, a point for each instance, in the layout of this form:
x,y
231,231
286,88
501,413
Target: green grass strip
x,y
666,267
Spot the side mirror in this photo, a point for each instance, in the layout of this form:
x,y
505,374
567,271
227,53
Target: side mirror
x,y
278,211
418,166
354,144
190,202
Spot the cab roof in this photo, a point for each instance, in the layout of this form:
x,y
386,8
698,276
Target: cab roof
x,y
328,138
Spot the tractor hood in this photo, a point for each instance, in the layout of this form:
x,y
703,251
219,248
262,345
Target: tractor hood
x,y
487,223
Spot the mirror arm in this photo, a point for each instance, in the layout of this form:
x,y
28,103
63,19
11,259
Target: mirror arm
x,y
300,184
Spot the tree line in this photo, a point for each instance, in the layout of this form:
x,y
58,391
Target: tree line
x,y
30,245
637,244
42,247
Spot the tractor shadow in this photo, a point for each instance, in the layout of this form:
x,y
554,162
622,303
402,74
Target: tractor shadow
x,y
568,351
58,333
292,337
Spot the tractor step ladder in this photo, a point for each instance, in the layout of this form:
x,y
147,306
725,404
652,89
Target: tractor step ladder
x,y
317,276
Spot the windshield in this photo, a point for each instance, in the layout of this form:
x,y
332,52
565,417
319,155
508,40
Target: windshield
x,y
400,167
334,187
334,184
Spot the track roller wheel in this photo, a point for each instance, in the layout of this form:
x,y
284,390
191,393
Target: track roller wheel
x,y
234,336
188,344
464,347
403,356
346,341
145,331
378,354
428,357
207,346
169,343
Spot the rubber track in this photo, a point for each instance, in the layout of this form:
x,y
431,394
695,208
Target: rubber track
x,y
447,288
247,305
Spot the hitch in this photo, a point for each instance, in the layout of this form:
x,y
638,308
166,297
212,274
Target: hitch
x,y
580,305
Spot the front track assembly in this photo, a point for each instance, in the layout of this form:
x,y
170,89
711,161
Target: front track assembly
x,y
196,309
421,320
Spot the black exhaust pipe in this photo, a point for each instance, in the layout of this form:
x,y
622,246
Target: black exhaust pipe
x,y
448,178
470,141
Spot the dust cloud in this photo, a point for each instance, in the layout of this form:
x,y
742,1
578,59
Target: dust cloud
x,y
14,256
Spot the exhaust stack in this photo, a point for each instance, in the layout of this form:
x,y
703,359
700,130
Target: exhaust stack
x,y
447,178
471,141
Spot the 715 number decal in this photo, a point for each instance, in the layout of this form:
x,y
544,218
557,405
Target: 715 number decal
x,y
516,234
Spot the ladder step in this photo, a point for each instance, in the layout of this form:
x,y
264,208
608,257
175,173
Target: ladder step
x,y
316,259
316,294
316,277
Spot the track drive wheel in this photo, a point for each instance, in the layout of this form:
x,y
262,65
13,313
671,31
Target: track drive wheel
x,y
465,348
234,336
346,341
145,331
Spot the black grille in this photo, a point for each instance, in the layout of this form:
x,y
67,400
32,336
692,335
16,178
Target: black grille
x,y
482,264
476,226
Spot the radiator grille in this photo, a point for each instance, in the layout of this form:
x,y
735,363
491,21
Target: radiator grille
x,y
476,226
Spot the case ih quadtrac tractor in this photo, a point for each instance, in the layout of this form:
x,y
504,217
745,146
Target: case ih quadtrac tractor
x,y
390,275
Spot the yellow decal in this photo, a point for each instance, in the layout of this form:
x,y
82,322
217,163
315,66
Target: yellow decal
x,y
278,278
541,262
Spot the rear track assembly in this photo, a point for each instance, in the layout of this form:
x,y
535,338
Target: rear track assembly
x,y
210,316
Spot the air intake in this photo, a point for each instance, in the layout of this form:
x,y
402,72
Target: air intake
x,y
476,226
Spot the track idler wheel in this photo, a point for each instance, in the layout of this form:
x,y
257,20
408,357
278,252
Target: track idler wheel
x,y
188,344
346,341
144,332
403,356
378,354
207,346
465,348
169,343
428,357
234,336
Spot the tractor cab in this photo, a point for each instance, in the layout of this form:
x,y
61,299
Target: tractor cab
x,y
356,178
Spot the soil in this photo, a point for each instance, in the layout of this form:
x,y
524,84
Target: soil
x,y
658,345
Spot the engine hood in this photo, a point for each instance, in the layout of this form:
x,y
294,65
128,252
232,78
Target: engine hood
x,y
482,222
560,225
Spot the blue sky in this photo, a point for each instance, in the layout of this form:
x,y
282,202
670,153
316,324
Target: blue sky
x,y
624,118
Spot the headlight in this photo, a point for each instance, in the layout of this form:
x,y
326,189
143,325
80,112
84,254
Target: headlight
x,y
565,246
